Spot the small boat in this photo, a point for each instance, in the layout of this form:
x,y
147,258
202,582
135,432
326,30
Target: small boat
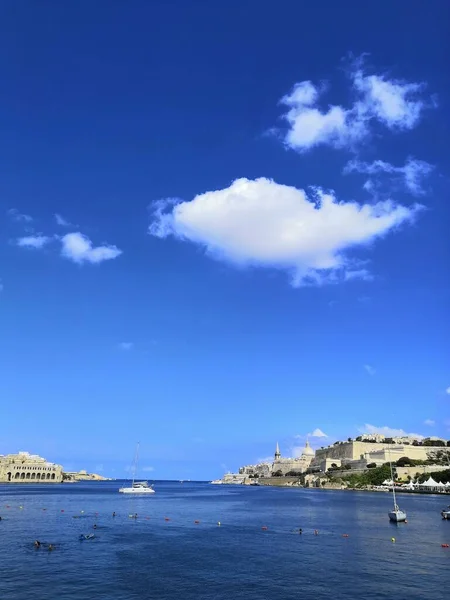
x,y
86,536
137,487
396,515
216,481
445,514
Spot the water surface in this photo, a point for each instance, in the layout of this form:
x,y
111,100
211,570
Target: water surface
x,y
154,558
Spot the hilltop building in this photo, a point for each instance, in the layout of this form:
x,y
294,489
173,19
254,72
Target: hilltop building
x,y
24,467
358,454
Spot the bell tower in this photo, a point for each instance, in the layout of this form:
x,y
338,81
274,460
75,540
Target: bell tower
x,y
277,452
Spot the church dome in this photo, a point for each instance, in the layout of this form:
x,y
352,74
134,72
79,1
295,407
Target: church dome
x,y
307,450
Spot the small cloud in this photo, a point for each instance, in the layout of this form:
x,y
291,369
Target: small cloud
x,y
264,459
410,174
126,346
447,391
318,433
392,103
33,241
370,370
388,431
148,469
429,422
61,221
79,249
18,217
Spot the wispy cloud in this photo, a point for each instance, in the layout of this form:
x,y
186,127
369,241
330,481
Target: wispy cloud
x,y
429,422
33,241
318,433
61,221
447,391
79,249
262,223
388,431
126,346
396,104
411,173
18,217
370,370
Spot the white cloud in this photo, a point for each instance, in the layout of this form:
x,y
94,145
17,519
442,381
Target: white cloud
x,y
411,173
148,469
265,459
33,241
262,223
126,346
388,431
396,104
318,433
19,217
61,221
447,391
370,370
429,422
78,248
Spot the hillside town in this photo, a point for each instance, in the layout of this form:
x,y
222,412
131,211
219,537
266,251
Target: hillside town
x,y
357,462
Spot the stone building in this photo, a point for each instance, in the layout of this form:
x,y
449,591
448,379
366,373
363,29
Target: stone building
x,y
292,465
28,468
357,455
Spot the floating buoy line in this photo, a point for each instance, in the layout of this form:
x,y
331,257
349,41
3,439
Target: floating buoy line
x,y
136,517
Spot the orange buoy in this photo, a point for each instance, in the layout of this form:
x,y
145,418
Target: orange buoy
x,y
444,545
167,519
264,528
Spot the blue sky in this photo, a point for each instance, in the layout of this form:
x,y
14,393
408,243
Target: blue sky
x,y
221,227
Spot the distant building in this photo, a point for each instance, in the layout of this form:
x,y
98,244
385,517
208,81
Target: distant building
x,y
357,454
292,465
24,467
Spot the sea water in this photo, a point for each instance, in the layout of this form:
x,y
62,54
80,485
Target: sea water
x,y
255,553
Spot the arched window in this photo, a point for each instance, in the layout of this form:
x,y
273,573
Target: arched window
x,y
38,476
33,475
48,475
22,475
28,475
17,475
9,475
53,476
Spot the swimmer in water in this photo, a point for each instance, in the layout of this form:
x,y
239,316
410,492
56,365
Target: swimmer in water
x,y
37,544
300,531
114,513
95,526
51,547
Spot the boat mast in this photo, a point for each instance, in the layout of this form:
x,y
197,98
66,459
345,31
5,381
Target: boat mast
x,y
136,457
392,479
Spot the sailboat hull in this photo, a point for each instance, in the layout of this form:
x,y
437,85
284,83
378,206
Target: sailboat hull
x,y
141,492
397,516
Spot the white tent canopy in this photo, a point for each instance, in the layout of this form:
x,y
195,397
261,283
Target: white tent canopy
x,y
430,483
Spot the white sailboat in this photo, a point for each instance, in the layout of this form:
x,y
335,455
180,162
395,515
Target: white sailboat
x,y
396,515
137,487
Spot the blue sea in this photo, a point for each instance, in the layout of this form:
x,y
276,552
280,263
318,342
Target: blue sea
x,y
165,555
